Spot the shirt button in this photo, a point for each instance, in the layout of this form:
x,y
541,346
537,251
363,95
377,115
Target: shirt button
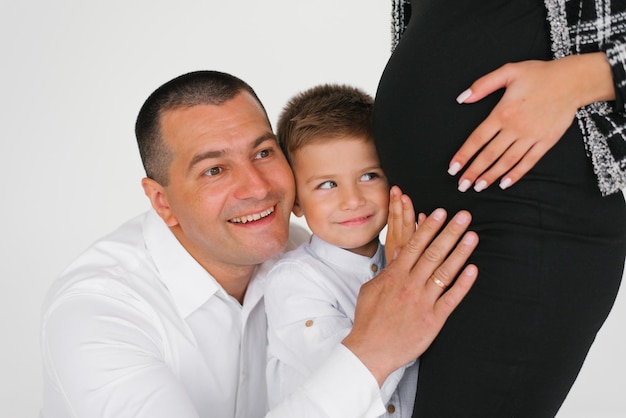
x,y
391,409
374,268
308,323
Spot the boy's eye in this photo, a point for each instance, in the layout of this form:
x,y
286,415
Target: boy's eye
x,y
327,185
213,171
369,176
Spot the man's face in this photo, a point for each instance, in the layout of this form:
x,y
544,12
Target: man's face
x,y
230,188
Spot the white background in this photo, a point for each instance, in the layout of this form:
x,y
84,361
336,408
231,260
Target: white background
x,y
73,76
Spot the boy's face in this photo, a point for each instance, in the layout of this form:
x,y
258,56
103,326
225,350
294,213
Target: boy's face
x,y
343,192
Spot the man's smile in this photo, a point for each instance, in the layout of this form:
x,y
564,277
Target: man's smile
x,y
252,217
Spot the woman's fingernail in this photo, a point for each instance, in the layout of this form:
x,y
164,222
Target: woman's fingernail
x,y
465,184
454,168
463,96
480,186
506,182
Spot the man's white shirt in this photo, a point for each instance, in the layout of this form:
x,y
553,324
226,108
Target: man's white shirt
x,y
135,327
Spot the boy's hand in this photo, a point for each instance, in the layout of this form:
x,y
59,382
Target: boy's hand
x,y
400,222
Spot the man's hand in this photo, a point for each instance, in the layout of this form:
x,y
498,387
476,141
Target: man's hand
x,y
400,312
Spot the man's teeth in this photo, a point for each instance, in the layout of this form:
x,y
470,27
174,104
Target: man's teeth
x,y
254,217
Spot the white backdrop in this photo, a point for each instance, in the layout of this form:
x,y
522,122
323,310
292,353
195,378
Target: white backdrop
x,y
74,74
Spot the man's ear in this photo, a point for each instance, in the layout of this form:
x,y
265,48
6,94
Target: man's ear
x,y
158,198
297,210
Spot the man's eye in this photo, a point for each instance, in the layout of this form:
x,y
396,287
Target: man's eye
x,y
213,171
369,176
264,153
327,185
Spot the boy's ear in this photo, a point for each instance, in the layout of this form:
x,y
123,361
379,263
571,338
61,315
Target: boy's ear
x,y
297,210
158,199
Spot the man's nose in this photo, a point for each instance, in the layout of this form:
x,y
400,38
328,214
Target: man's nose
x,y
252,183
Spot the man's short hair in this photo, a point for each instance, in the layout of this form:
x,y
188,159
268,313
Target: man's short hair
x,y
324,113
191,89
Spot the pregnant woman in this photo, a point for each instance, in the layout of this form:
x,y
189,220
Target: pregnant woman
x,y
537,154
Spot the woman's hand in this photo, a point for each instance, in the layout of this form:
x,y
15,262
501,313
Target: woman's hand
x,y
538,106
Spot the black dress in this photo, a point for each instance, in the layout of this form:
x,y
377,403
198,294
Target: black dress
x,y
551,250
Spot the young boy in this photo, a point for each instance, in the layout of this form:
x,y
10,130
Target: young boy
x,y
341,190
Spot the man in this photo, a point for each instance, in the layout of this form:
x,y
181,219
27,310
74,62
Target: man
x,y
165,318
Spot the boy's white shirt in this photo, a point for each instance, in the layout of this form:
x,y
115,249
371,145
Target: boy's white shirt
x,y
310,299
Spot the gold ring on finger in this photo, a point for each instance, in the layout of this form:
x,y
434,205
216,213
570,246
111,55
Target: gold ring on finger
x,y
438,282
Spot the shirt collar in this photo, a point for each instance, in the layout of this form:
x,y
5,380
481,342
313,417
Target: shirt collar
x,y
349,264
187,281
256,288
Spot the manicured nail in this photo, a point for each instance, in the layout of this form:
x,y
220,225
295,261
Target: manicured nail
x,y
506,182
465,184
454,168
463,96
480,186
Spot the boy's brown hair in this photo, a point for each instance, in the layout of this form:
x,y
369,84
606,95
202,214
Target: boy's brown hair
x,y
324,113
